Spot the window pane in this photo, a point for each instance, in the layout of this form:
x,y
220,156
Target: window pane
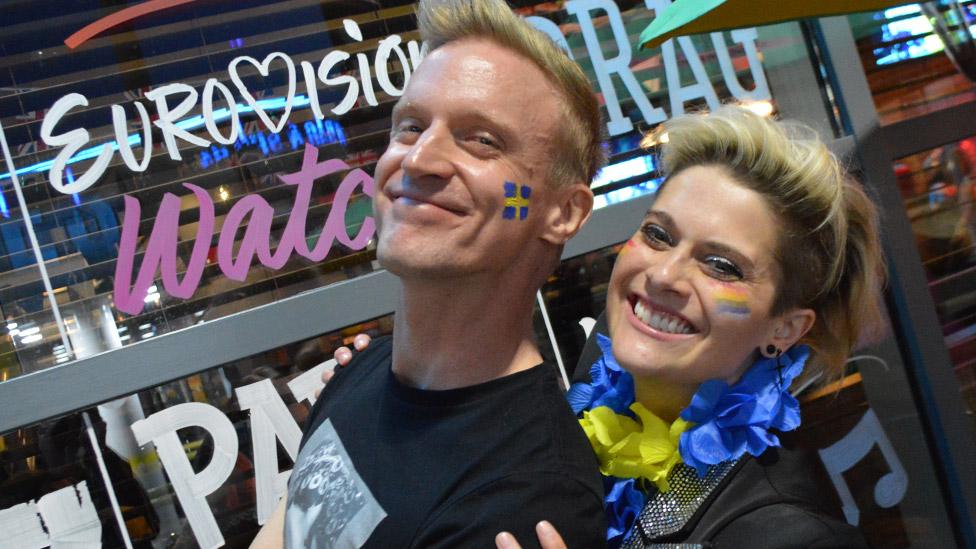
x,y
918,57
201,182
937,187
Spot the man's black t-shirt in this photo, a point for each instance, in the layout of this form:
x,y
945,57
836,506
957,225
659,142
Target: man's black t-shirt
x,y
386,465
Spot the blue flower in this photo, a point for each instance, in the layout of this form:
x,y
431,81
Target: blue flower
x,y
610,384
623,503
730,421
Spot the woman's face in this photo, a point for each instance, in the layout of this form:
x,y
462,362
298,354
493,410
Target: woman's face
x,y
691,291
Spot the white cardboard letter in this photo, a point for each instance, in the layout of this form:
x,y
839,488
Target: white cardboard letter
x,y
746,37
551,29
20,527
71,518
304,386
192,488
604,68
270,419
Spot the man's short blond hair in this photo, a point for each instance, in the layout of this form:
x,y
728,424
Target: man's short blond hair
x,y
578,150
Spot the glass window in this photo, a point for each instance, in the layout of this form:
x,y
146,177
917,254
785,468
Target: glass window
x,y
201,225
918,57
937,187
40,459
213,194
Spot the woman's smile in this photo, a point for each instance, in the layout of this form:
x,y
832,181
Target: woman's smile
x,y
691,294
660,321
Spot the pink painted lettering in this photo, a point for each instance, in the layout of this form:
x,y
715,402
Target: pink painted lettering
x,y
256,241
161,251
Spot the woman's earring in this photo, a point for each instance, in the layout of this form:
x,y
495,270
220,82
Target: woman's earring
x,y
772,351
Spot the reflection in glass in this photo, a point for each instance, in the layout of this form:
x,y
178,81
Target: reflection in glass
x,y
917,56
937,188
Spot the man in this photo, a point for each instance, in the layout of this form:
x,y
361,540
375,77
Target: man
x,y
456,429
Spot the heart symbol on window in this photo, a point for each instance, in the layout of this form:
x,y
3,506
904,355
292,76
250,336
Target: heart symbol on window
x,y
264,68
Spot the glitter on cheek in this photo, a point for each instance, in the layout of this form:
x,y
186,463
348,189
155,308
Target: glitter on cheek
x,y
516,201
731,300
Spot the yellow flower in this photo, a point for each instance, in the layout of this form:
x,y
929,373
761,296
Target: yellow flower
x,y
626,448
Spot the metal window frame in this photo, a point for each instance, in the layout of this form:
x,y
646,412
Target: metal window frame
x,y
912,309
63,389
80,384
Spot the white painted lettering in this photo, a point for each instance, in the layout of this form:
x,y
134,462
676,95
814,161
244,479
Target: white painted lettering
x,y
208,112
122,137
311,87
417,53
391,44
168,117
72,141
332,59
365,77
264,68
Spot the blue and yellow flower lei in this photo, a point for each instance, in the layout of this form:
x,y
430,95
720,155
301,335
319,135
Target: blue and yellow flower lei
x,y
722,423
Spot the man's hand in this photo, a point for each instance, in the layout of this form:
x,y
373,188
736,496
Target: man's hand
x,y
343,355
549,538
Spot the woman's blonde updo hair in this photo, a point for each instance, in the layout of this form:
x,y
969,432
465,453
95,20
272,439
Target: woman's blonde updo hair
x,y
829,250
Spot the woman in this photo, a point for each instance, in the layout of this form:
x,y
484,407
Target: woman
x,y
756,268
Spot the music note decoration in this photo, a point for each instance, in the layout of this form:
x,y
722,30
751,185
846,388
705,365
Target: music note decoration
x,y
850,450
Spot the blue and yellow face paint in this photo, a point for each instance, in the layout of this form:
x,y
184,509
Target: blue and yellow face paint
x,y
732,301
516,201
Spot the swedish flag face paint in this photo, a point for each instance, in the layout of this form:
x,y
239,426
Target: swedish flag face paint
x,y
516,201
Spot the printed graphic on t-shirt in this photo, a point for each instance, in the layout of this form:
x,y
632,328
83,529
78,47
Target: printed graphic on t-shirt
x,y
329,505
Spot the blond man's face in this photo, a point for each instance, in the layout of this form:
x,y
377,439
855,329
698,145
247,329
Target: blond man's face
x,y
462,187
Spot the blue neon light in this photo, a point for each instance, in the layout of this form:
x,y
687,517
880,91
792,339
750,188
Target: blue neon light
x,y
71,179
623,170
627,193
